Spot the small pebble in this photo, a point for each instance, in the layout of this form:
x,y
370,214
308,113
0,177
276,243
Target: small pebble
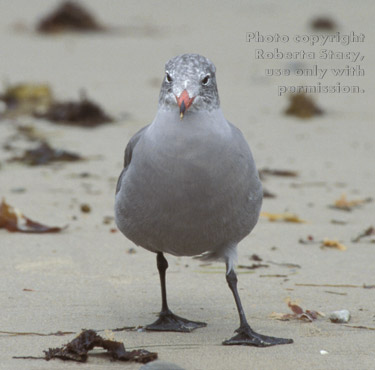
x,y
107,220
85,208
323,352
340,317
160,365
255,257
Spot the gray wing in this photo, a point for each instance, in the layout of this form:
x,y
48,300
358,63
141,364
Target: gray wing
x,y
128,154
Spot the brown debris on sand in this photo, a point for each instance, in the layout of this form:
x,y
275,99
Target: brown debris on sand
x,y
85,208
302,106
325,243
84,113
298,313
263,172
268,194
13,220
69,17
369,232
344,204
78,348
35,99
333,243
252,267
44,154
285,217
323,23
255,257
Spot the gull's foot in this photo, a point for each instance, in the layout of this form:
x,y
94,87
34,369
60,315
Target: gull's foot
x,y
246,336
168,321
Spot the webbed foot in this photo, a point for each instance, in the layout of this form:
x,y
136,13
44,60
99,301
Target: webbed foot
x,y
168,321
246,336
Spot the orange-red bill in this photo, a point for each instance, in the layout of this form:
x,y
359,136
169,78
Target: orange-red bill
x,y
184,102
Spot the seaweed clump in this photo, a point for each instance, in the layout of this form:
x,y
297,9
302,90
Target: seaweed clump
x,y
69,17
303,106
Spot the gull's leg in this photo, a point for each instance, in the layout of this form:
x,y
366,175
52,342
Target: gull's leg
x,y
168,321
246,335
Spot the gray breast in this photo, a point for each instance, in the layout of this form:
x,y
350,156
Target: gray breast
x,y
195,193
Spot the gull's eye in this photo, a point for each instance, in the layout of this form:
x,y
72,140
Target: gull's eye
x,y
168,77
205,80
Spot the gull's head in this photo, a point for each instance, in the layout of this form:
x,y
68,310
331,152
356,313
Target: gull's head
x,y
189,84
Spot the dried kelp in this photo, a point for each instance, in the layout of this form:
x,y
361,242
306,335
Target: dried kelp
x,y
253,266
302,106
347,205
37,100
263,172
45,154
23,333
13,220
69,17
273,276
370,231
323,23
364,286
286,217
286,264
329,243
255,257
337,293
78,348
360,327
84,113
268,194
325,243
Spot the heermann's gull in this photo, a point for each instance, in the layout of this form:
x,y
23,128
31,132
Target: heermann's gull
x,y
190,186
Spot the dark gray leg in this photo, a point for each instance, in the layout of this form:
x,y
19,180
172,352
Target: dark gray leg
x,y
168,321
246,335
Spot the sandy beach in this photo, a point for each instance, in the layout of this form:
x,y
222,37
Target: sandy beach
x,y
89,276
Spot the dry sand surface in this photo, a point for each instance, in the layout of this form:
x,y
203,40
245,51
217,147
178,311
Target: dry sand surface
x,y
86,277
